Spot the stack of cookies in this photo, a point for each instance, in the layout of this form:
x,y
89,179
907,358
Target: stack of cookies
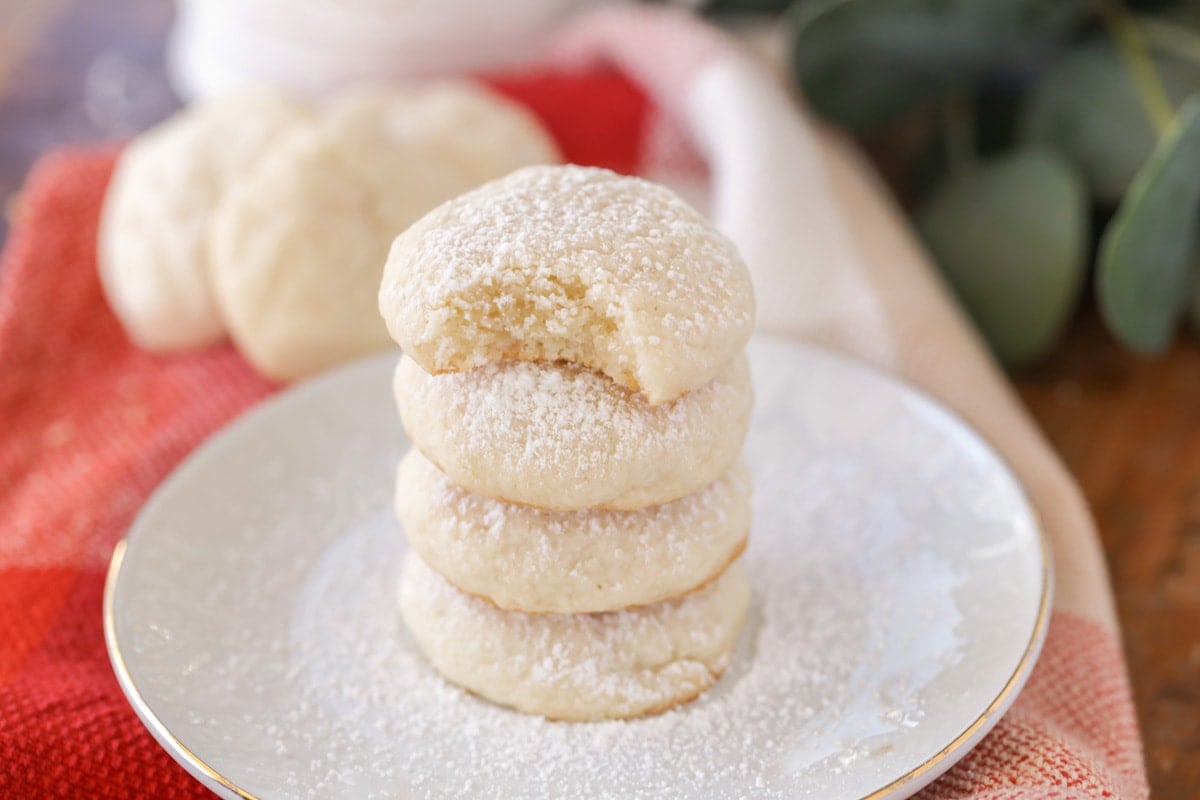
x,y
575,384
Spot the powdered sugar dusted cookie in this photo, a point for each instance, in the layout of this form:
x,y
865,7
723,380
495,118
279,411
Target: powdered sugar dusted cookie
x,y
299,247
154,232
528,559
570,264
577,666
559,436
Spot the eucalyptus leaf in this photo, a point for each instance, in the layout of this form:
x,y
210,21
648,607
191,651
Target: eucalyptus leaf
x,y
1144,273
719,7
1086,107
1011,236
1152,5
863,63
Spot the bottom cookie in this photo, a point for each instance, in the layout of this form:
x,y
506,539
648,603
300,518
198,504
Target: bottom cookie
x,y
577,666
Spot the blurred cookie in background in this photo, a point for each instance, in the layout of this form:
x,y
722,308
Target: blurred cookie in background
x,y
299,246
261,217
153,249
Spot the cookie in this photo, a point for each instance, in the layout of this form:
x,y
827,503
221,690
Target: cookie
x,y
577,666
153,249
474,132
563,437
527,559
573,264
299,247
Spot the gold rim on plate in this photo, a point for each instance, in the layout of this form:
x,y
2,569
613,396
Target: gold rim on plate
x,y
170,742
924,772
917,777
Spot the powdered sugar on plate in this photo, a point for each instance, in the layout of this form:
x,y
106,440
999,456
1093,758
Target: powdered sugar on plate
x,y
896,571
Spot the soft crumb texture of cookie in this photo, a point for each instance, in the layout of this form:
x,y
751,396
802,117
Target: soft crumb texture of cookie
x,y
559,436
528,559
299,247
153,248
577,666
570,264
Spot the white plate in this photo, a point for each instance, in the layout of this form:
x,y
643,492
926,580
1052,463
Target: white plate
x,y
901,591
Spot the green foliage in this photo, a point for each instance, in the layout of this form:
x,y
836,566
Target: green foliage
x,y
1011,237
1144,275
1061,110
719,7
1087,108
864,63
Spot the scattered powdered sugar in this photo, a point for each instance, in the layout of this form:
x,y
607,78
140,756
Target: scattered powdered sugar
x,y
364,672
851,618
679,520
893,567
571,434
576,264
618,230
576,666
545,404
590,560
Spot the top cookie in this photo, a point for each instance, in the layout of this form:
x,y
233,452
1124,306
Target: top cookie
x,y
570,264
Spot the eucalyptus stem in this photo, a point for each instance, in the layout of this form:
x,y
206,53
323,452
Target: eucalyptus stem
x,y
1131,44
958,127
1171,38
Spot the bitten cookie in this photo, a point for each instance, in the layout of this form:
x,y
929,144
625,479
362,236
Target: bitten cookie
x,y
528,559
562,437
153,248
570,264
299,247
577,666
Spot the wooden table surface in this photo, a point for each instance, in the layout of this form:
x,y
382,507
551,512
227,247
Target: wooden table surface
x,y
1128,427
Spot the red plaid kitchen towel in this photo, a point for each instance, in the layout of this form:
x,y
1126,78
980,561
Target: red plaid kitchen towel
x,y
89,424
